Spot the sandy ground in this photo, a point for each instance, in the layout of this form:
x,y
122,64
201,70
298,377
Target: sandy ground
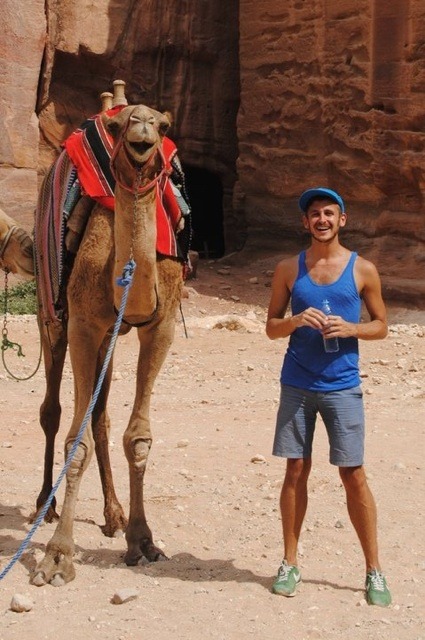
x,y
212,488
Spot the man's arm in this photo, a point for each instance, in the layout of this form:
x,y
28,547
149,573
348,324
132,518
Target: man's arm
x,y
277,325
369,285
377,327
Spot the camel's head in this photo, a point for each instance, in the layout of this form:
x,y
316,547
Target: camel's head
x,y
16,248
140,129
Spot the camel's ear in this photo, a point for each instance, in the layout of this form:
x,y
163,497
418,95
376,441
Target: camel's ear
x,y
164,123
168,115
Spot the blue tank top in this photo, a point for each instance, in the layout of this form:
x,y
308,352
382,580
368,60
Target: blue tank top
x,y
306,364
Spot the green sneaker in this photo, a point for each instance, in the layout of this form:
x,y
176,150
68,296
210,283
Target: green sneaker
x,y
287,579
377,591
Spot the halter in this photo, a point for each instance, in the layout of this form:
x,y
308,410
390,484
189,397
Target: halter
x,y
5,241
136,189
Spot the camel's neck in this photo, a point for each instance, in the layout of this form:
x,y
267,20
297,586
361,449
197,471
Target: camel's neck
x,y
135,236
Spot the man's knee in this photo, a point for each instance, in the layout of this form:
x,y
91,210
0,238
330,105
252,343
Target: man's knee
x,y
353,478
297,470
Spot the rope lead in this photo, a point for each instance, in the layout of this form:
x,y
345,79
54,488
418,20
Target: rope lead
x,y
128,271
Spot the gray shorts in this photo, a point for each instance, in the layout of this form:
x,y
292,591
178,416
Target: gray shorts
x,y
342,413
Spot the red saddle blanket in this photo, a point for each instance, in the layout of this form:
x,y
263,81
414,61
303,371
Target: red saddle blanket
x,y
90,149
83,167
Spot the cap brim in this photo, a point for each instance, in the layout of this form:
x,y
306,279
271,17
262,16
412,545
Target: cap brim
x,y
319,192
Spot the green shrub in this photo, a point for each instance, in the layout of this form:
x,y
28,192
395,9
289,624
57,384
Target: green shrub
x,y
21,299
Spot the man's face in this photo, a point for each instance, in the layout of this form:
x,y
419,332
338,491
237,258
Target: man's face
x,y
323,219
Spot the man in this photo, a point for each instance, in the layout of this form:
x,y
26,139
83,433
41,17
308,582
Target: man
x,y
314,380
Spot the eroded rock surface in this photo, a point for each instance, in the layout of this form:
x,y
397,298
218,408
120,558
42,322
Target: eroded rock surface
x,y
267,98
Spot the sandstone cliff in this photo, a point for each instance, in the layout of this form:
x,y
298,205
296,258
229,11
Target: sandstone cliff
x,y
333,94
60,55
268,98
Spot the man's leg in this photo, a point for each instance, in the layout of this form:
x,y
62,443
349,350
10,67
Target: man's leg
x,y
362,511
295,425
293,504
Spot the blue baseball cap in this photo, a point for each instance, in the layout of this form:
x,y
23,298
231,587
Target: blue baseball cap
x,y
319,192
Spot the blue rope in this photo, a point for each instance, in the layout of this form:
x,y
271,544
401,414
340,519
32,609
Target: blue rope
x,y
127,274
127,279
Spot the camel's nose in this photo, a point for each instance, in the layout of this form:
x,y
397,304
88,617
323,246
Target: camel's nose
x,y
141,128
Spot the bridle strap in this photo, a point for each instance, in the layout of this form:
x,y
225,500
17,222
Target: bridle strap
x,y
6,239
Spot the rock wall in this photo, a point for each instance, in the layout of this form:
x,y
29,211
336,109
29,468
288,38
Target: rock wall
x,y
269,97
21,53
180,56
338,100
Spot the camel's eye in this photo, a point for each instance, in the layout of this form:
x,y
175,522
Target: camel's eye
x,y
163,127
113,128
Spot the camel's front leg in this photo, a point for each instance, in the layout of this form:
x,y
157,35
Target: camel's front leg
x,y
154,345
57,566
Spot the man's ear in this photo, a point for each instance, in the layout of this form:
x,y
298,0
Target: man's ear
x,y
342,219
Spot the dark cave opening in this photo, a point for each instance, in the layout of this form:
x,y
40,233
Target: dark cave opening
x,y
205,192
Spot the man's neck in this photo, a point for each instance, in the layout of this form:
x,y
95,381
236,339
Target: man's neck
x,y
326,250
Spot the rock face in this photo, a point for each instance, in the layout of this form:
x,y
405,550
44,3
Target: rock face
x,y
182,57
267,97
21,53
338,100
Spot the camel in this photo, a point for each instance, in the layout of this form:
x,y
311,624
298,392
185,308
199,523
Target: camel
x,y
16,248
91,298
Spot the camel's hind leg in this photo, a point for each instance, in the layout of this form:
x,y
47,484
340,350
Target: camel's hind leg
x,y
90,316
54,344
115,519
57,566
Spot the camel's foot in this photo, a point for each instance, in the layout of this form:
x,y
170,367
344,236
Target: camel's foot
x,y
115,521
50,516
145,548
56,569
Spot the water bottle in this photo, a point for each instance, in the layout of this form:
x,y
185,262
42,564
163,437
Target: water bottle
x,y
331,344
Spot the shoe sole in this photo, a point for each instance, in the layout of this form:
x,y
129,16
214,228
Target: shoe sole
x,y
378,604
287,595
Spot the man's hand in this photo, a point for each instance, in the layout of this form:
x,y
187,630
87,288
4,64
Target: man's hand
x,y
313,318
337,327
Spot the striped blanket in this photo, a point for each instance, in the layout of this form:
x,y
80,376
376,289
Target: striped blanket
x,y
57,198
90,149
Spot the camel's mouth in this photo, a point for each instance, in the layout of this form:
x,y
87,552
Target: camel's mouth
x,y
140,148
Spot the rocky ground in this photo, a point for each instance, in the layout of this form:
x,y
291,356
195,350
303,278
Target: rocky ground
x,y
212,488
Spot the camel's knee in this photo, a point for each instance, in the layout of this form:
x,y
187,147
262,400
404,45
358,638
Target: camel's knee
x,y
80,459
138,453
50,415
